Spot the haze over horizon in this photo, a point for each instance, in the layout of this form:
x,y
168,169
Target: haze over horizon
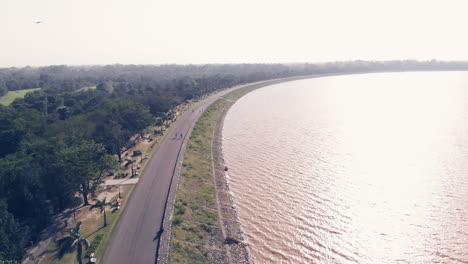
x,y
207,31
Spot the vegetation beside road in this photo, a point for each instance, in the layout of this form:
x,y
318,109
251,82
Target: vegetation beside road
x,y
195,217
196,230
92,218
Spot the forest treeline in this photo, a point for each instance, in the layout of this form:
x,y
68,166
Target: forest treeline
x,y
61,78
58,142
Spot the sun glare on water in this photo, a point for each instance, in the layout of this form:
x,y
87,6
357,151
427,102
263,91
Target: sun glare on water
x,y
373,165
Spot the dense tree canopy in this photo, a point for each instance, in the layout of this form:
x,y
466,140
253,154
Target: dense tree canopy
x,y
13,236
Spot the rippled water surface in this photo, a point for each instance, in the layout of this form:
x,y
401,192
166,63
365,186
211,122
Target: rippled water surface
x,y
366,168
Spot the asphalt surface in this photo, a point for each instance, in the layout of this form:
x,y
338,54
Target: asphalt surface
x,y
136,236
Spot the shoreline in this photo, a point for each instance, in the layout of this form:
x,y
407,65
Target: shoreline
x,y
238,248
226,242
191,211
231,246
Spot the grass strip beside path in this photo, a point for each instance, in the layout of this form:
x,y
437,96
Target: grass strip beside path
x,y
195,219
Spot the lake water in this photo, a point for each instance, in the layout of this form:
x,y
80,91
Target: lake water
x,y
369,168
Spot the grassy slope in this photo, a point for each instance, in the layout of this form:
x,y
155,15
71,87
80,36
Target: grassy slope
x,y
195,210
195,219
8,98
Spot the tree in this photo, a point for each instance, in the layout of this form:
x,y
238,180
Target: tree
x,y
111,135
3,88
117,122
133,117
170,115
22,190
78,241
63,112
159,122
12,130
101,204
85,164
13,236
105,87
106,165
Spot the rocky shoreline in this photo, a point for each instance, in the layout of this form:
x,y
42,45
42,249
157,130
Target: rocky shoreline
x,y
234,240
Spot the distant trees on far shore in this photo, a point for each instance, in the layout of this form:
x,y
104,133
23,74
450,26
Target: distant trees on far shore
x,y
62,78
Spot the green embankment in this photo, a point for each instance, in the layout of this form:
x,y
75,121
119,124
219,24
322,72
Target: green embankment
x,y
195,231
8,98
195,222
195,215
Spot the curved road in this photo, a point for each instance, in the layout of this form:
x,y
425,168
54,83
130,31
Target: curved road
x,y
136,236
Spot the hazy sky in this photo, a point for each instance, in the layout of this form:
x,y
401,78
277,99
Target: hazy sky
x,y
218,31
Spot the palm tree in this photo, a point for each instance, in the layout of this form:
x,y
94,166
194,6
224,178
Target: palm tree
x,y
78,241
101,204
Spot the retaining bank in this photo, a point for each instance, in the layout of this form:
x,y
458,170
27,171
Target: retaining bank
x,y
204,223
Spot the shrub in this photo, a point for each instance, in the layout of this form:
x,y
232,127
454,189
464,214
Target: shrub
x,y
94,245
177,221
180,209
